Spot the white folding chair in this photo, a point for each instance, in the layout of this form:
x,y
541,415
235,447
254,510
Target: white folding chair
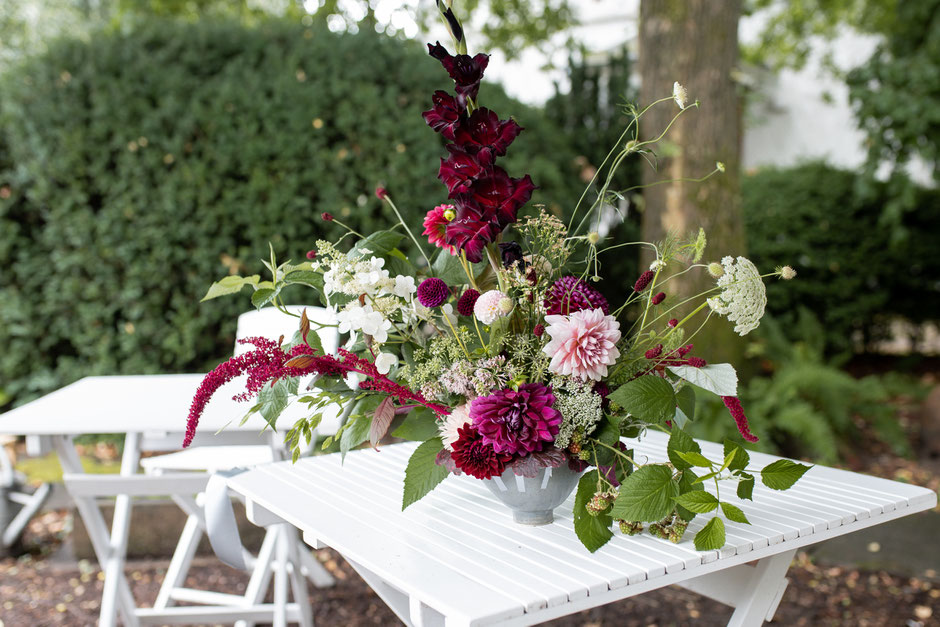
x,y
184,475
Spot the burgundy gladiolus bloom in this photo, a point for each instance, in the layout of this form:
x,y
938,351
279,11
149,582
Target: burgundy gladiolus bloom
x,y
466,71
459,171
500,196
471,230
485,135
737,412
445,115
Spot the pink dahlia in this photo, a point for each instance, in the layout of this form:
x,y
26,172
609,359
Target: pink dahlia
x,y
569,294
517,422
583,344
435,224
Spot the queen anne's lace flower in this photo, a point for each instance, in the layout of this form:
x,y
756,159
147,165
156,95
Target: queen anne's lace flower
x,y
743,296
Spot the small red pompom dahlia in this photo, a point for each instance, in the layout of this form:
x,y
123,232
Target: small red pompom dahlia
x,y
432,292
643,282
658,298
467,300
476,458
570,294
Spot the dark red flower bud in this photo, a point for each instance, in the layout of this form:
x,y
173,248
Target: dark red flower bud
x,y
311,254
381,193
538,330
466,302
643,282
658,298
327,216
466,71
654,352
673,322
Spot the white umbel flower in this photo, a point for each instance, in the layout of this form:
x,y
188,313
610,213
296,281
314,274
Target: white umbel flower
x,y
680,95
743,296
459,417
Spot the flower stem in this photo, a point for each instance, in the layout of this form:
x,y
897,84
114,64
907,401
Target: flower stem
x,y
391,204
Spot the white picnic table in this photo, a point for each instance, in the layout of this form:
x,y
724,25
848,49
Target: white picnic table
x,y
456,558
151,411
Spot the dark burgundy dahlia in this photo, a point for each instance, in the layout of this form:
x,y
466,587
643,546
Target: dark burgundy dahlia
x,y
475,457
569,294
517,422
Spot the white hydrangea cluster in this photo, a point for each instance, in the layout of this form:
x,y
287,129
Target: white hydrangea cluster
x,y
743,296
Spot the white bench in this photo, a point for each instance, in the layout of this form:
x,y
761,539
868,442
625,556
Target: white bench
x,y
456,557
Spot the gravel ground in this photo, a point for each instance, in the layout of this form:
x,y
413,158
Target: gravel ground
x,y
39,590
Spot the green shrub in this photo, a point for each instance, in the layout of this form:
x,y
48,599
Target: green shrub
x,y
139,166
815,218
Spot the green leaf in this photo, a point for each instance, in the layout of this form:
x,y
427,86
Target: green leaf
x,y
229,285
647,495
782,474
593,531
720,379
272,400
699,501
681,442
711,536
741,458
734,513
305,277
447,268
729,459
422,473
687,484
384,414
746,486
696,459
685,399
355,433
706,477
263,296
648,397
419,425
607,433
378,244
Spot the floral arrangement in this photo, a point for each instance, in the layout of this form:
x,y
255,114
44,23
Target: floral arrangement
x,y
498,352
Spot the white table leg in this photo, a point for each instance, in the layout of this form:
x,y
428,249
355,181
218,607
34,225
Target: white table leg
x,y
179,564
758,598
313,569
280,579
98,534
411,611
297,580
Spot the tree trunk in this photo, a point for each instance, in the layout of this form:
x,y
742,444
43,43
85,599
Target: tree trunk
x,y
694,42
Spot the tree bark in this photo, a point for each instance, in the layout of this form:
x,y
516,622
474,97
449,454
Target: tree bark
x,y
694,42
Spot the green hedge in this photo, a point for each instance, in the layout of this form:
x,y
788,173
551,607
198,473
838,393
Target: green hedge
x,y
850,274
139,166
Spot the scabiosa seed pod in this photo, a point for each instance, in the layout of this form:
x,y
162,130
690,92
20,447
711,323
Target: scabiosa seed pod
x,y
715,269
787,273
326,216
539,330
643,282
658,298
654,352
466,302
673,323
311,254
432,292
697,362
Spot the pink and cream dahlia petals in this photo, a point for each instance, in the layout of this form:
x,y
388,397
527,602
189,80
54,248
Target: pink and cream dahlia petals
x,y
489,306
583,344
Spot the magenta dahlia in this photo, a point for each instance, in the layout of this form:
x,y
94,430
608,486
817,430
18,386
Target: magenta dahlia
x,y
517,422
432,292
474,456
569,294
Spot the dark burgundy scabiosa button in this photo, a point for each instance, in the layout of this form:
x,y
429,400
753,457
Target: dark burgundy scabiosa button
x,y
475,457
673,322
432,292
569,294
466,71
484,135
643,282
466,302
311,254
658,298
445,114
539,330
326,216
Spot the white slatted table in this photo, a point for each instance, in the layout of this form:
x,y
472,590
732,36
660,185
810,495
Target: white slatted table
x,y
456,558
151,411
